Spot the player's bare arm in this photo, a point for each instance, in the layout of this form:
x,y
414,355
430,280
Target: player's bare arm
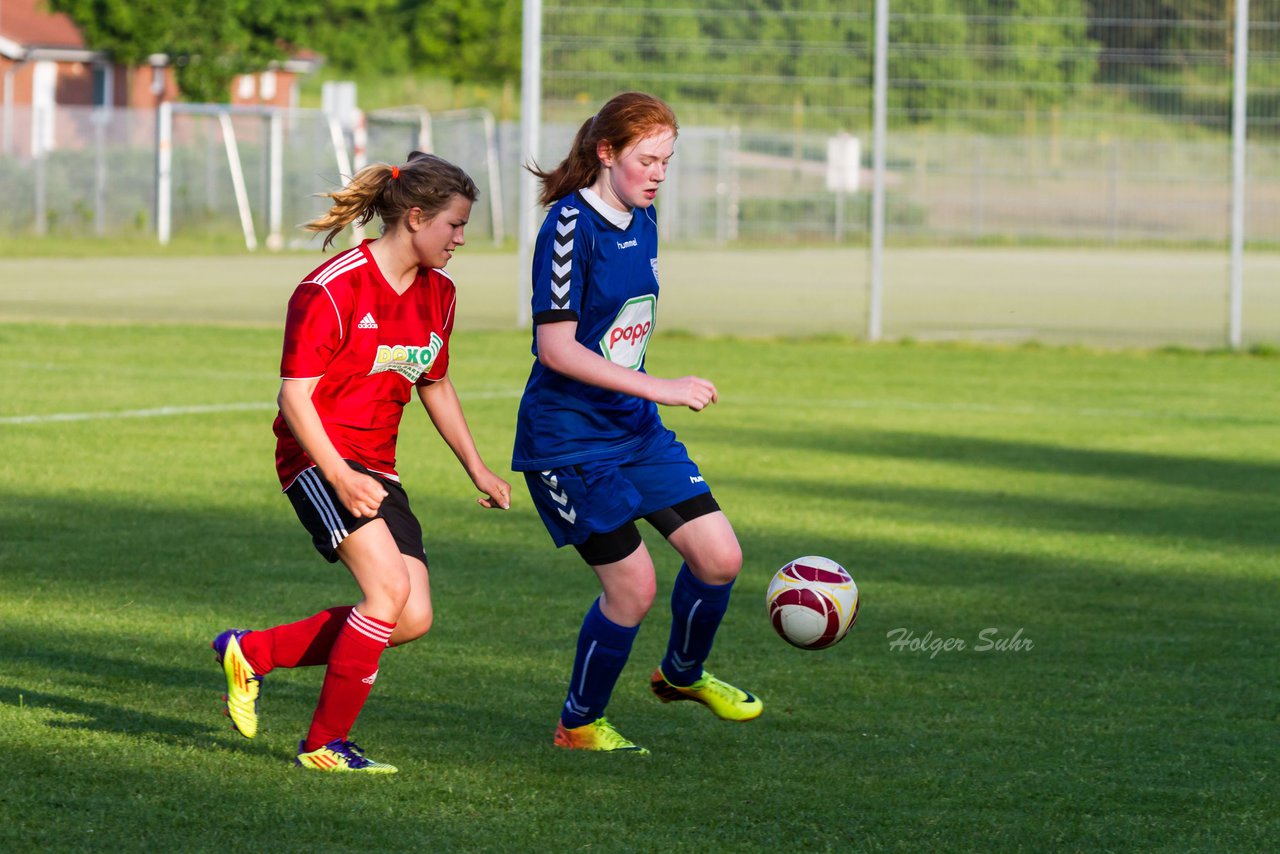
x,y
559,350
441,402
359,493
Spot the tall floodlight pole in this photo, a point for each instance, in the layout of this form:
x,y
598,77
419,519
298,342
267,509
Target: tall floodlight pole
x,y
530,131
1239,124
880,103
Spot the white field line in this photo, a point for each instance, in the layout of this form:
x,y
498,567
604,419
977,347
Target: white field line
x,y
169,411
812,404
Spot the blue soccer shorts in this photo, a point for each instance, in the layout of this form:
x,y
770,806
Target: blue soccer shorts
x,y
601,496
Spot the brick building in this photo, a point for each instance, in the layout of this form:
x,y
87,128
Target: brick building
x,y
46,64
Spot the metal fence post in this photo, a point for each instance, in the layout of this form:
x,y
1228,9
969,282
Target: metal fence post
x,y
164,171
1239,126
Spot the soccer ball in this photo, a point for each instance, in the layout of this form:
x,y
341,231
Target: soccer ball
x,y
812,602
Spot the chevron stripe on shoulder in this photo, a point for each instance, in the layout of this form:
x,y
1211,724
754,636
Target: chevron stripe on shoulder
x,y
562,256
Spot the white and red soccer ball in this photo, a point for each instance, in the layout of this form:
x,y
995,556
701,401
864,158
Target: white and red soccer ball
x,y
812,602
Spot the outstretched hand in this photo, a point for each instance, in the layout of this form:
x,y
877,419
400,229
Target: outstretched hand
x,y
693,392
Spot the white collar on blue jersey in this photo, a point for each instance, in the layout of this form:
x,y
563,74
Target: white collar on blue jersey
x,y
620,219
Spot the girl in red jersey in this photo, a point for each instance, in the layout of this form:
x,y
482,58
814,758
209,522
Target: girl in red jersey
x,y
363,330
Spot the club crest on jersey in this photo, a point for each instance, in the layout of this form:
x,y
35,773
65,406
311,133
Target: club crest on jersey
x,y
410,361
625,341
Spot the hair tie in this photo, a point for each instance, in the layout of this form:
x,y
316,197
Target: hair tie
x,y
395,172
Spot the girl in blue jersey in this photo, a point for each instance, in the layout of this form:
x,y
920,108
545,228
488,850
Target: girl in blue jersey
x,y
589,439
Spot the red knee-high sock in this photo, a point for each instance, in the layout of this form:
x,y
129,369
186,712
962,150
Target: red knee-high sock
x,y
302,644
353,666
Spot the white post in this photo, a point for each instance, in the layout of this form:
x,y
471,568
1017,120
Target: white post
x,y
237,179
359,160
497,216
880,102
530,131
164,172
1239,125
426,144
100,117
39,153
339,142
275,181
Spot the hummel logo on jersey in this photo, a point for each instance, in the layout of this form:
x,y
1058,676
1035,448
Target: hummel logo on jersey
x,y
368,322
628,244
369,680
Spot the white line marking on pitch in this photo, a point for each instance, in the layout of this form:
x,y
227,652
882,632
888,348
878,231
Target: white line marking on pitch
x,y
159,412
168,411
883,405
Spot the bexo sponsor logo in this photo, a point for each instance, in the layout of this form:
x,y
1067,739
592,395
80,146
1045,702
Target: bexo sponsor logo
x,y
409,360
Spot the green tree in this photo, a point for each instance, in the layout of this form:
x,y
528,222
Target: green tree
x,y
208,41
1041,47
475,41
364,36
931,68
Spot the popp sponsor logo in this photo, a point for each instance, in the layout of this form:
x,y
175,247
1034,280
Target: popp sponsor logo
x,y
629,334
625,340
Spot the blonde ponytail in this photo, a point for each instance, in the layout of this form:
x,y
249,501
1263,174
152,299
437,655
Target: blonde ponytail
x,y
426,182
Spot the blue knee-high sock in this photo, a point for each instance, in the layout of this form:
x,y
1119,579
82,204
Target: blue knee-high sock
x,y
603,647
696,611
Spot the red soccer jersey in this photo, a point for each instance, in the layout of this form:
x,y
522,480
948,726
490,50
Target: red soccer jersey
x,y
369,346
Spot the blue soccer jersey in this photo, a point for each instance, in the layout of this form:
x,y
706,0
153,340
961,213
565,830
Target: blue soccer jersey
x,y
587,269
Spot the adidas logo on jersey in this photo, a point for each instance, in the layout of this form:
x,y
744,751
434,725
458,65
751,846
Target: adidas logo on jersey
x,y
369,680
368,322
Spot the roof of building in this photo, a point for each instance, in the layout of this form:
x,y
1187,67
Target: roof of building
x,y
29,23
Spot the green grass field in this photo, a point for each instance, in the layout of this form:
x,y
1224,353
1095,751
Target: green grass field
x,y
1115,512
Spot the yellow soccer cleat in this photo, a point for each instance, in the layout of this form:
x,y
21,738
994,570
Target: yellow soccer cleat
x,y
597,735
341,756
243,684
725,701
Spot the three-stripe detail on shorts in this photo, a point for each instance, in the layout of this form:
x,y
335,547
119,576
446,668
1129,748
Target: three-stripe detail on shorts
x,y
319,498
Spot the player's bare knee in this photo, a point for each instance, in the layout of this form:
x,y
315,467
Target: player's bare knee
x,y
640,603
413,624
389,593
718,564
628,607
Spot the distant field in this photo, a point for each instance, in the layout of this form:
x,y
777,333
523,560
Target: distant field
x,y
1097,527
1109,297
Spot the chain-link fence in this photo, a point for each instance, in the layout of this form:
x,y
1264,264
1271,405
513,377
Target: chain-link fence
x,y
1072,127
102,172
